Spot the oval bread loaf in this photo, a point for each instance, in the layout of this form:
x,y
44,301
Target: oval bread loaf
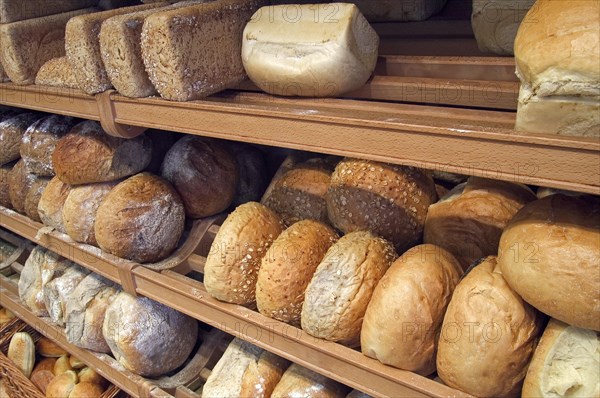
x,y
12,130
51,203
32,199
4,187
297,381
21,350
57,291
19,184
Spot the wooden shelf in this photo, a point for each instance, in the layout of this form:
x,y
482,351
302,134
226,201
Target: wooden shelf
x,y
175,289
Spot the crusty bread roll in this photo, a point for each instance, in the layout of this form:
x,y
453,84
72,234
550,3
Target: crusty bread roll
x,y
5,315
320,51
39,141
57,291
62,365
21,351
557,52
75,362
51,203
57,72
32,198
244,370
566,363
204,172
233,262
79,210
88,390
488,336
19,184
550,254
146,337
89,375
43,363
41,379
11,134
406,311
140,219
4,188
49,349
253,173
340,290
288,267
298,381
388,200
468,221
62,385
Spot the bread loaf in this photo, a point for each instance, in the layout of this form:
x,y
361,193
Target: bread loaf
x,y
232,265
340,290
85,309
204,172
565,363
139,330
32,199
62,365
88,390
41,379
140,219
27,45
57,291
21,351
88,154
56,72
389,200
49,349
52,201
253,173
19,184
549,254
82,45
488,336
405,314
298,381
62,385
558,62
89,375
195,51
79,211
288,267
11,134
244,370
323,51
17,10
4,186
468,222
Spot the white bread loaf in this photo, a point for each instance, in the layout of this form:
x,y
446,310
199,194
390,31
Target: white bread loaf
x,y
338,294
233,262
566,363
57,72
57,291
557,52
244,370
319,51
18,10
550,254
488,336
12,130
51,203
297,381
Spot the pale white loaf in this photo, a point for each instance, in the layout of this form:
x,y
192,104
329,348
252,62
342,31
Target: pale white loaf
x,y
58,290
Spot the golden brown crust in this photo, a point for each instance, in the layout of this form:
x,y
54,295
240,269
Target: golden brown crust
x,y
51,203
298,381
32,199
48,348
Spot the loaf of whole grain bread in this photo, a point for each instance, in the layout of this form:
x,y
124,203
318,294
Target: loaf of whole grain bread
x,y
57,72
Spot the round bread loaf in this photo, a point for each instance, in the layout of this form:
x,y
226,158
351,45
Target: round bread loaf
x,y
232,265
62,385
39,142
32,199
11,135
140,219
468,222
51,203
288,267
488,336
4,189
340,290
19,184
79,210
407,309
297,381
88,154
205,174
146,337
550,254
57,291
389,200
566,363
252,171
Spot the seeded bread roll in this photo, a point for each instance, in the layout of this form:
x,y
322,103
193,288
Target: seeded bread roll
x,y
58,290
288,267
88,154
4,187
389,200
232,265
205,174
11,134
140,219
298,381
146,337
340,290
52,201
79,210
488,336
253,173
57,72
32,199
19,184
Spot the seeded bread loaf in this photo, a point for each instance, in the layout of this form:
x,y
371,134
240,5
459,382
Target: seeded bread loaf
x,y
12,131
57,72
51,203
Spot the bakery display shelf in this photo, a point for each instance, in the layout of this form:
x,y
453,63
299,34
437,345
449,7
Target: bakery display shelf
x,y
175,289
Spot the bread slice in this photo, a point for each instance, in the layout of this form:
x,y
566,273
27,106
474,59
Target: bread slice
x,y
27,45
57,73
195,51
19,10
82,46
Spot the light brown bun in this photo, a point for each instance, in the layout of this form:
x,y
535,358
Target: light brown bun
x,y
253,173
79,210
298,381
19,184
88,154
566,363
21,351
4,187
244,370
469,221
41,379
299,193
11,134
5,316
140,219
340,290
407,309
87,390
57,291
62,365
389,200
550,254
52,201
146,337
44,363
61,386
288,267
32,199
89,375
488,336
232,265
205,174
48,348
